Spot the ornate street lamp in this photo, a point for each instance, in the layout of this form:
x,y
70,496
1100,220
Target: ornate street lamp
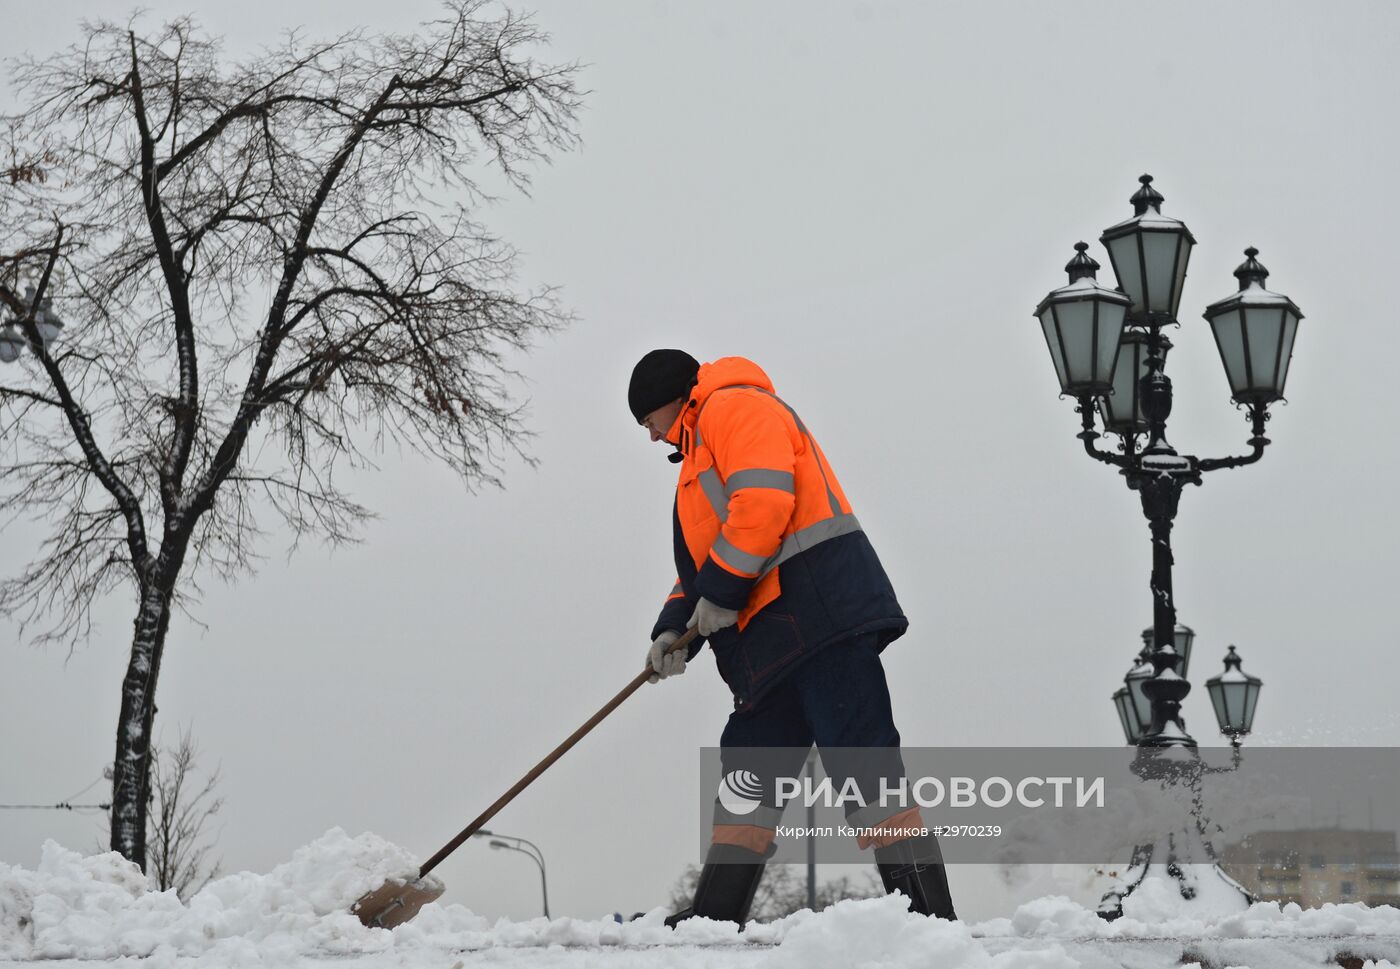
x,y
1254,330
1234,694
1083,323
1150,253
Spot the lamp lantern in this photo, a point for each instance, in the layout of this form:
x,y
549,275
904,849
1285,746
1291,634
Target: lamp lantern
x,y
1083,323
1149,253
1254,331
1234,694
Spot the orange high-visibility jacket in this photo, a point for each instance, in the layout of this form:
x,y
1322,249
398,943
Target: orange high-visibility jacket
x,y
763,526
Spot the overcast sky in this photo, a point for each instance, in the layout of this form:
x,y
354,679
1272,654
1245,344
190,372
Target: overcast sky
x,y
868,199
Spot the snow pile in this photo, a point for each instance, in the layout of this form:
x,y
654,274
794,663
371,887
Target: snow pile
x,y
1158,899
454,928
880,933
1155,911
297,915
1054,917
99,907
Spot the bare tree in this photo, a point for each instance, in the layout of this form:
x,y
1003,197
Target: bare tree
x,y
178,846
266,269
783,890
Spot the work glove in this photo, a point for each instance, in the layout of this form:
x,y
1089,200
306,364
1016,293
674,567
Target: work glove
x,y
662,663
711,618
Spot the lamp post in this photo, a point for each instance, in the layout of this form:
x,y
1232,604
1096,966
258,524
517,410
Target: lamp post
x,y
1127,387
1090,328
501,841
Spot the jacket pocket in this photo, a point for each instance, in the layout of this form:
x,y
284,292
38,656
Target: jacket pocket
x,y
771,641
699,460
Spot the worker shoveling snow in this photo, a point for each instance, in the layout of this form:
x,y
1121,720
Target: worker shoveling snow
x,y
297,915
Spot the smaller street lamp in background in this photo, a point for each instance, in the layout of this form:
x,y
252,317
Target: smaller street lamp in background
x,y
46,323
532,852
11,343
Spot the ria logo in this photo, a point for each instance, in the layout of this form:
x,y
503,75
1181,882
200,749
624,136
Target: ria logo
x,y
740,792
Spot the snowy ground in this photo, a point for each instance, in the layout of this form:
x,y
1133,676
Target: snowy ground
x,y
76,911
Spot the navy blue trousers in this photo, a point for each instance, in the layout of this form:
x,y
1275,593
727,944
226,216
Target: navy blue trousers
x,y
837,699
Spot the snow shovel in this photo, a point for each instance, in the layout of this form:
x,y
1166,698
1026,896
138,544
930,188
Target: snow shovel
x,y
395,902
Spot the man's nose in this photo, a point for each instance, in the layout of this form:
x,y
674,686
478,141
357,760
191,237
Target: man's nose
x,y
655,434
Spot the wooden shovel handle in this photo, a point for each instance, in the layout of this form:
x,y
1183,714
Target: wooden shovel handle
x,y
682,643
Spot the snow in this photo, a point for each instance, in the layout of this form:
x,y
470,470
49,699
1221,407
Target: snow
x,y
99,907
76,911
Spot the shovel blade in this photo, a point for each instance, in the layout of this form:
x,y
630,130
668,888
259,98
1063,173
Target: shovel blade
x,y
395,902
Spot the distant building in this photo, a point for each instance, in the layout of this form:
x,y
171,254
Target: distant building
x,y
1316,865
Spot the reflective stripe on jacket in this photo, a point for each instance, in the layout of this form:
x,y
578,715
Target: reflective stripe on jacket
x,y
762,526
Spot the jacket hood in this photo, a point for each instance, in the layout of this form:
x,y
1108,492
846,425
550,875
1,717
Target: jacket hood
x,y
727,372
721,373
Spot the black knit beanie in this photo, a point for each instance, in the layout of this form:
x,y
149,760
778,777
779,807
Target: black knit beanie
x,y
659,378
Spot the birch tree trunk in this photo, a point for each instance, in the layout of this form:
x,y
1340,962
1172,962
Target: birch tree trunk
x,y
131,774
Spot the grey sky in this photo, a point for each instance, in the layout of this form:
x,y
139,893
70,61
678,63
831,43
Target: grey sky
x,y
869,200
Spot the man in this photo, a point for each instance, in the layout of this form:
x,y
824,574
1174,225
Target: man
x,y
776,573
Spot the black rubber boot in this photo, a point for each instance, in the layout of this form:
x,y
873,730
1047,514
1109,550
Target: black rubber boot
x,y
726,887
914,866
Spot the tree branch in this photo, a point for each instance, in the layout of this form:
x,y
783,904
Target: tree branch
x,y
275,330
186,411
29,395
78,419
